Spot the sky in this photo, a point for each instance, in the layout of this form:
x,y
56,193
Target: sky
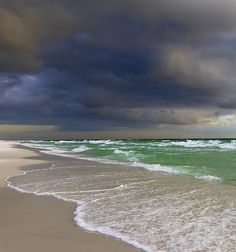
x,y
117,69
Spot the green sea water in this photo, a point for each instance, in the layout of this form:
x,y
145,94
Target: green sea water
x,y
158,195
204,159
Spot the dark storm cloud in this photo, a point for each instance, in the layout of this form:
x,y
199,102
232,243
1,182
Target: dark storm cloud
x,y
107,64
26,28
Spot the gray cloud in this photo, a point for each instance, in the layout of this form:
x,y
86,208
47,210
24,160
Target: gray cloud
x,y
110,64
26,29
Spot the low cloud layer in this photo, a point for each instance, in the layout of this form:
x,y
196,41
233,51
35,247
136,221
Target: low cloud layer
x,y
105,65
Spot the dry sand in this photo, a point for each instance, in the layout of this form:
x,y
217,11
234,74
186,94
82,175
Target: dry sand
x,y
11,159
30,223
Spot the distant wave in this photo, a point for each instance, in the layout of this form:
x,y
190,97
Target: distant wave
x,y
199,144
191,143
82,148
103,142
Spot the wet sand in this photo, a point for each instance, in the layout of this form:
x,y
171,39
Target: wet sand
x,y
40,223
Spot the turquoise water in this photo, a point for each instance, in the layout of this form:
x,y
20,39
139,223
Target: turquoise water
x,y
206,159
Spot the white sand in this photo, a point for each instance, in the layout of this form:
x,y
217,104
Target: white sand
x,y
30,223
12,158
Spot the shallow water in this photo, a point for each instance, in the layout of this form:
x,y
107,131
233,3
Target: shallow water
x,y
153,210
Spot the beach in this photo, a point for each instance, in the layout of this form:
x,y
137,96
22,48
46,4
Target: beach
x,y
31,223
118,195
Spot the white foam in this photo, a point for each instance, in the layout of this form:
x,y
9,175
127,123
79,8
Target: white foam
x,y
104,142
82,148
78,213
79,219
209,178
228,146
128,154
191,143
117,151
156,167
199,144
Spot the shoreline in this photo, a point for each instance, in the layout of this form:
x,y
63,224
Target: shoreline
x,y
41,223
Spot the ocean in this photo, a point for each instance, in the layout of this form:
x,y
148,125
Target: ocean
x,y
158,195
